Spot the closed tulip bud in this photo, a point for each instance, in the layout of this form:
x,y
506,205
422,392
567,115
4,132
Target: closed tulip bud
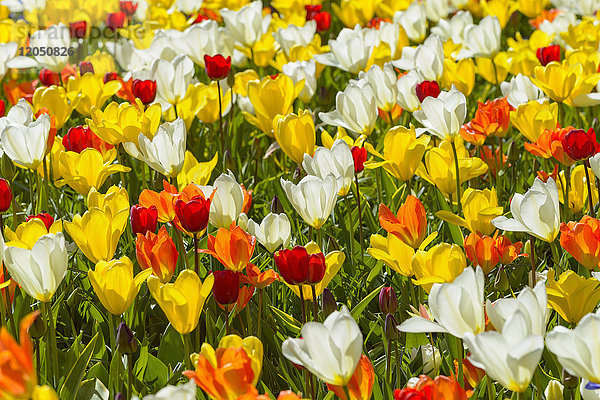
x,y
568,380
46,218
5,195
501,282
128,7
226,288
227,161
78,29
85,67
49,77
388,301
323,20
217,67
157,251
328,303
120,396
391,332
37,329
427,89
316,269
7,167
145,90
110,76
554,390
193,214
143,219
115,21
297,267
579,144
126,341
359,154
548,54
2,108
74,299
276,206
513,152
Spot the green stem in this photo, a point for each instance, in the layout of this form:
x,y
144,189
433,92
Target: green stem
x,y
350,230
586,166
187,351
314,301
360,227
555,255
388,362
532,260
457,169
260,306
399,355
196,260
129,376
346,392
52,353
461,357
491,390
222,138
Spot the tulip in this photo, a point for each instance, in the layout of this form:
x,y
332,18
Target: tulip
x,y
548,54
554,390
183,300
520,90
480,207
515,356
393,252
360,386
579,144
427,89
57,102
574,349
409,224
53,36
126,341
79,138
273,232
128,7
425,388
245,25
157,252
563,82
441,263
407,95
85,67
536,212
549,144
172,80
414,21
313,198
355,109
232,247
303,70
295,36
349,51
336,161
93,91
482,40
227,201
185,391
582,240
456,307
298,267
202,101
143,219
193,214
78,29
444,115
482,251
26,145
359,156
49,77
573,296
2,108
331,351
388,302
383,81
226,288
427,59
114,202
145,90
295,134
217,67
41,269
5,195
28,232
195,172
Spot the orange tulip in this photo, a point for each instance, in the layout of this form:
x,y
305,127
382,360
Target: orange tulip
x,y
233,247
259,280
15,91
481,250
17,374
471,373
508,251
162,200
491,118
549,145
409,224
247,200
227,376
543,175
361,383
441,388
157,252
582,240
246,293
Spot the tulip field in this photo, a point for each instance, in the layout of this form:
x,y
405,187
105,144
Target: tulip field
x,y
299,199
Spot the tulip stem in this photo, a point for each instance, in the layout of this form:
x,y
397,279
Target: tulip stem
x,y
457,168
196,260
399,355
260,306
350,231
586,166
491,390
187,351
130,376
532,277
461,357
388,362
302,307
555,256
182,245
566,192
52,355
360,228
346,392
314,298
221,119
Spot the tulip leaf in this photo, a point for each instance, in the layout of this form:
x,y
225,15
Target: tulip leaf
x,y
72,383
360,307
92,389
288,320
455,232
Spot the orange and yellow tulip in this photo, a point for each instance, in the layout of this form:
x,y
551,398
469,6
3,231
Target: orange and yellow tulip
x,y
549,144
233,247
157,251
360,386
582,240
409,224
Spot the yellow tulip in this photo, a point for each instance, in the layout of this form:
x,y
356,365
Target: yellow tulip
x,y
102,62
271,97
532,8
502,9
494,72
584,35
58,102
352,12
113,202
94,92
328,140
460,74
480,207
522,52
439,170
387,8
43,393
333,263
241,79
262,52
167,18
183,300
293,10
65,11
27,233
202,101
572,296
440,264
578,197
115,285
393,252
588,59
124,122
563,82
533,118
402,152
296,135
97,232
86,170
195,172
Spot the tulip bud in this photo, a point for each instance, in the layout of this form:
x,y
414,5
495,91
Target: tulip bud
x,y
512,154
217,67
391,332
276,206
548,54
2,108
37,329
78,29
230,80
388,301
128,7
115,21
568,380
5,195
126,341
501,281
145,90
297,174
193,214
74,299
554,390
226,288
49,77
316,268
85,67
328,303
143,219
427,89
110,76
8,167
359,155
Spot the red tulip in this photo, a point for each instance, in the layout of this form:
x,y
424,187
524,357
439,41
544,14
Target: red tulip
x,y
2,108
144,90
80,138
426,89
323,20
359,154
143,219
48,77
548,54
78,29
388,301
85,67
128,7
5,195
297,267
46,218
199,19
311,11
217,67
111,76
226,287
316,268
579,144
193,214
408,394
115,21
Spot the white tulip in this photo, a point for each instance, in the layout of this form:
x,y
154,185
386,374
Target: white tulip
x,y
436,9
186,391
482,40
129,57
7,52
577,350
383,82
454,27
18,6
430,356
165,152
55,36
273,232
355,109
457,307
337,161
560,24
313,198
206,38
295,35
246,25
188,6
407,94
594,161
331,350
427,59
303,70
172,79
41,269
537,212
26,145
389,33
520,90
228,200
554,390
19,114
442,116
351,50
531,302
413,20
510,357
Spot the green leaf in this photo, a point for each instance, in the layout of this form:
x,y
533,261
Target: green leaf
x,y
360,307
292,323
455,232
92,389
72,382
